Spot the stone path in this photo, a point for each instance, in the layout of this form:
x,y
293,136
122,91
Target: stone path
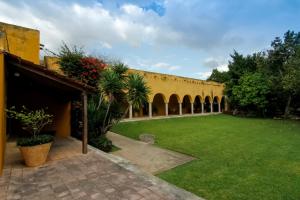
x,y
150,158
96,175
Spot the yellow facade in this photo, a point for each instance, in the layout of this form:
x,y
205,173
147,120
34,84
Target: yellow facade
x,y
20,41
181,86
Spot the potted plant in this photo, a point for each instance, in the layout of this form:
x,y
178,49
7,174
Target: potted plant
x,y
35,146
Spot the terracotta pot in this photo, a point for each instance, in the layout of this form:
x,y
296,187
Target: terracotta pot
x,y
35,155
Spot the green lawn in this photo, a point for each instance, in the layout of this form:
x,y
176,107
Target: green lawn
x,y
237,158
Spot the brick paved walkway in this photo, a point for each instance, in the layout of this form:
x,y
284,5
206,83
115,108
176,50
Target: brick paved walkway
x,y
148,157
96,175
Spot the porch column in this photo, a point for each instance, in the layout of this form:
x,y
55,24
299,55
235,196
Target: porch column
x,y
219,107
167,109
85,123
211,107
180,108
192,108
130,111
202,108
150,110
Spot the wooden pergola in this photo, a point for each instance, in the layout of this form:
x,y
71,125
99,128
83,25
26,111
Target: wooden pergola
x,y
54,80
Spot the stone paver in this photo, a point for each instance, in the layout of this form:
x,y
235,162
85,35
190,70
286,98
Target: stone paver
x,y
150,158
96,175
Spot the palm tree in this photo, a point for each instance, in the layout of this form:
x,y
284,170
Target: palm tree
x,y
115,87
137,91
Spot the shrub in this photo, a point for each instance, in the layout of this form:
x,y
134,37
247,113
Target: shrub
x,y
33,122
102,143
30,141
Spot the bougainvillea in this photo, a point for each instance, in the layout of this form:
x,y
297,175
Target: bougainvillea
x,y
91,70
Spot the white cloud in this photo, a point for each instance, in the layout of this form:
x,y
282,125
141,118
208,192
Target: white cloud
x,y
166,66
203,75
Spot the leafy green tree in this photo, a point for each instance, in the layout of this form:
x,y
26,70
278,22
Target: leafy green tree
x,y
291,79
252,91
70,60
217,76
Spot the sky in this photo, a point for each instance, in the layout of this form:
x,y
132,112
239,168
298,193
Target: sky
x,y
181,37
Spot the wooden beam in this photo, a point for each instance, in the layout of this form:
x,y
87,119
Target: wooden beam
x,y
85,123
38,70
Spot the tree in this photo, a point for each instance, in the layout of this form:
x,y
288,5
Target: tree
x,y
116,88
252,91
75,64
217,76
282,69
291,79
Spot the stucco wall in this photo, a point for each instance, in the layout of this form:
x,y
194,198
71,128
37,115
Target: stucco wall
x,y
170,84
2,112
20,41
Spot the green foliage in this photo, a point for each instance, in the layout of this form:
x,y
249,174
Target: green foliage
x,y
217,76
32,121
70,60
37,140
75,64
101,143
136,90
252,91
276,73
116,88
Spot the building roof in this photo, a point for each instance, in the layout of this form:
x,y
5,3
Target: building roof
x,y
46,75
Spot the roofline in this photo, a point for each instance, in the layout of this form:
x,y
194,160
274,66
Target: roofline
x,y
18,26
194,79
52,75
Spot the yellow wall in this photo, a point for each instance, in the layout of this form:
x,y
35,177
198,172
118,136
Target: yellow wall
x,y
52,64
2,112
170,84
63,120
20,41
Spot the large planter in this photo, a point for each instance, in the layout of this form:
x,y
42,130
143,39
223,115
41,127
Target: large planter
x,y
35,155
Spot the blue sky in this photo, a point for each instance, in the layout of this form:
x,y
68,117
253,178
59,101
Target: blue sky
x,y
182,37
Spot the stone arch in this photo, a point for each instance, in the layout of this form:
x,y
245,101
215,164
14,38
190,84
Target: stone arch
x,y
158,105
207,104
174,101
198,104
186,104
215,104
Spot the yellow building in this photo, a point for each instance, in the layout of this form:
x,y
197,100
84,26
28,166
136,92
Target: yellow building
x,y
23,81
175,95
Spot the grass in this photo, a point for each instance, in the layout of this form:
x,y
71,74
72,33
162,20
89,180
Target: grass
x,y
238,158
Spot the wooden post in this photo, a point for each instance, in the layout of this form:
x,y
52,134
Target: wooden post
x,y
85,123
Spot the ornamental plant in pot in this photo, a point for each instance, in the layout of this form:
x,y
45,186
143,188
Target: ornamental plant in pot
x,y
34,147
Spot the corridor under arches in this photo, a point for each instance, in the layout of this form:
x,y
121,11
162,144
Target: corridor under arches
x,y
215,104
198,105
174,105
158,105
207,104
